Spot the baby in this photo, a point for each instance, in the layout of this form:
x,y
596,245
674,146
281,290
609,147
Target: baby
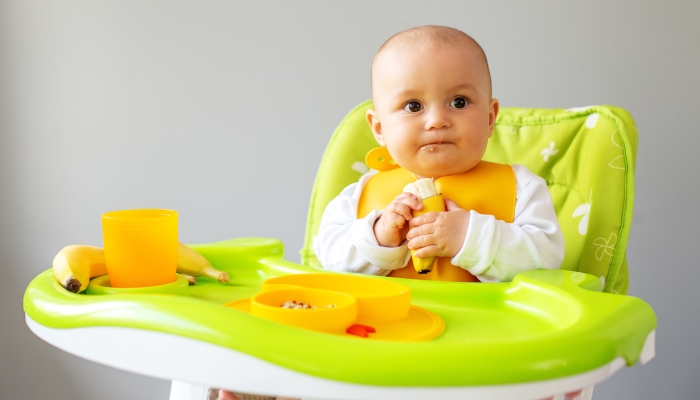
x,y
433,110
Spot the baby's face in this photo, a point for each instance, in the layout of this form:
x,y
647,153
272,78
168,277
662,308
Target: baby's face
x,y
433,108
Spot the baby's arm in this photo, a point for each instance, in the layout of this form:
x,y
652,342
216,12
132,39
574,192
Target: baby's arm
x,y
348,244
494,250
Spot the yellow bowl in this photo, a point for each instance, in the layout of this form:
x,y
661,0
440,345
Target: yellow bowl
x,y
376,299
343,313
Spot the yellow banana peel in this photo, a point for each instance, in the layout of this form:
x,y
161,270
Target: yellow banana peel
x,y
74,265
424,265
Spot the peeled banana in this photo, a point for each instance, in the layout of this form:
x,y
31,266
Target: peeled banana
x,y
74,265
432,201
423,188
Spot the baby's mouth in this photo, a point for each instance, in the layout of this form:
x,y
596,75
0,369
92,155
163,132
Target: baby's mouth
x,y
431,146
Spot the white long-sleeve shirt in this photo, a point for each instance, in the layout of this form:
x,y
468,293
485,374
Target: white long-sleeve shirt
x,y
493,250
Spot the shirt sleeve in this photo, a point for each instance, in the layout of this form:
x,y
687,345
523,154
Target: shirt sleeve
x,y
346,243
494,250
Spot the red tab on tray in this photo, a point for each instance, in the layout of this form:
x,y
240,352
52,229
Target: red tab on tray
x,y
360,330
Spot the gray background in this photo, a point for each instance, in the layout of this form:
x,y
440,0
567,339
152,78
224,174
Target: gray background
x,y
222,109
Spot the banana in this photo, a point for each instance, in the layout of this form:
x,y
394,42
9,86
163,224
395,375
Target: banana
x,y
75,265
423,188
432,201
192,263
191,280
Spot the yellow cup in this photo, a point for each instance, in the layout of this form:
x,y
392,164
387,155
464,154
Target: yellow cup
x,y
140,247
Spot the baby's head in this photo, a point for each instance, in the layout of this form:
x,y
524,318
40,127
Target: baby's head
x,y
433,110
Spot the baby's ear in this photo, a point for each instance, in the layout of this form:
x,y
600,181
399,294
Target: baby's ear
x,y
493,114
375,125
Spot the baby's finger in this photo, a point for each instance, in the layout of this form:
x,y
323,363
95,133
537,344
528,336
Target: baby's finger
x,y
407,195
427,251
428,218
394,220
400,208
451,205
425,229
410,200
421,241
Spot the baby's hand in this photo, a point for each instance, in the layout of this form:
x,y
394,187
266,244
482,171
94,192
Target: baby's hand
x,y
390,229
439,233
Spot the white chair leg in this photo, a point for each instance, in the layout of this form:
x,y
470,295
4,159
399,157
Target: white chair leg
x,y
587,393
180,390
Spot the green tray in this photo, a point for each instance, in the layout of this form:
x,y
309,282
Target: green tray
x,y
543,325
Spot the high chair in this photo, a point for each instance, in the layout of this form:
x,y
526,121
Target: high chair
x,y
546,334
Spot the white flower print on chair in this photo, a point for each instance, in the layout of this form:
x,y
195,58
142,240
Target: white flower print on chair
x,y
619,161
605,246
592,120
549,151
582,210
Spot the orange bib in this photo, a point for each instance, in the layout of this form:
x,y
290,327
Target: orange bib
x,y
488,188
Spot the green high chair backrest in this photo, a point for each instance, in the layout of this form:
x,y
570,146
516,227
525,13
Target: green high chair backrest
x,y
586,155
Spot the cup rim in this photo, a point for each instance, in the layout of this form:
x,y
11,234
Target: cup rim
x,y
148,214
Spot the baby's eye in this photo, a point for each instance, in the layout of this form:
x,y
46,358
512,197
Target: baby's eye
x,y
413,106
459,102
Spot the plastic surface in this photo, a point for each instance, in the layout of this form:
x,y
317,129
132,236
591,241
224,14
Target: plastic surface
x,y
102,285
140,247
380,159
151,353
543,325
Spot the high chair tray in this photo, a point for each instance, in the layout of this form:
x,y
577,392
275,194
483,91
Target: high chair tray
x,y
544,325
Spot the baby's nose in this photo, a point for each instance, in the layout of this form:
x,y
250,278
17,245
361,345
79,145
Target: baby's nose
x,y
436,118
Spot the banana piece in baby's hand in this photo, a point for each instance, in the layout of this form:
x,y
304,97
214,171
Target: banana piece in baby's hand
x,y
423,188
432,201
